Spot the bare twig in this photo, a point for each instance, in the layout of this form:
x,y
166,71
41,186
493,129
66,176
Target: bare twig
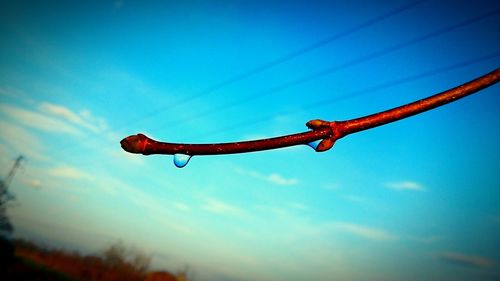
x,y
326,131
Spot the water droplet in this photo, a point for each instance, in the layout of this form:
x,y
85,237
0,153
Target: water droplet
x,y
181,160
314,144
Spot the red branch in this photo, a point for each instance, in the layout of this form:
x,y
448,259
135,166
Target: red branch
x,y
328,132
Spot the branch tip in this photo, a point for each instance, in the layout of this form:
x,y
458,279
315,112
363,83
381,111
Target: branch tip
x,y
135,143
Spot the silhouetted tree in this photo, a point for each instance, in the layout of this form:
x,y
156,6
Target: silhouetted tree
x,y
118,255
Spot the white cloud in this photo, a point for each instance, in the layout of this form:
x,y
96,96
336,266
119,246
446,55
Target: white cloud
x,y
69,172
15,94
179,227
466,260
219,207
114,186
298,206
363,231
331,186
55,118
85,119
181,206
21,141
37,120
405,185
35,183
277,179
61,111
277,211
157,210
271,178
115,152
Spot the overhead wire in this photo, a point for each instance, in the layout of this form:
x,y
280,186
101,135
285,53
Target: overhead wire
x,y
266,66
355,94
332,69
283,59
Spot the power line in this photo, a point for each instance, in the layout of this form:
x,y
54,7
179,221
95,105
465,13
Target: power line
x,y
341,66
280,60
366,91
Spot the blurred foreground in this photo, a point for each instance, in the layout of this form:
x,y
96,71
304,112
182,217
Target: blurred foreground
x,y
23,260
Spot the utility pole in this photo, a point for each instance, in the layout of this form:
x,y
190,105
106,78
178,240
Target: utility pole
x,y
6,227
5,196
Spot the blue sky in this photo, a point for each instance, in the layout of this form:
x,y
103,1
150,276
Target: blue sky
x,y
413,200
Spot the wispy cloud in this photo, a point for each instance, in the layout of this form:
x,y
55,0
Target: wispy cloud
x,y
37,120
55,118
278,179
298,206
466,260
331,186
35,183
363,231
85,119
69,172
116,153
158,210
273,209
21,141
405,185
114,186
15,94
287,210
219,207
273,178
179,228
181,206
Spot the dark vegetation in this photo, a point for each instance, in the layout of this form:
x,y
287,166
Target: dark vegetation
x,y
24,260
